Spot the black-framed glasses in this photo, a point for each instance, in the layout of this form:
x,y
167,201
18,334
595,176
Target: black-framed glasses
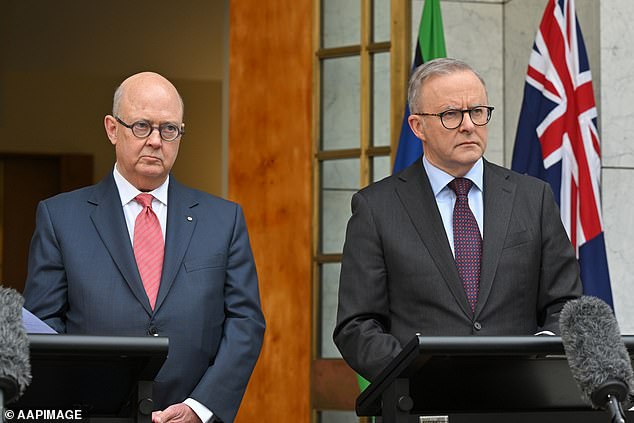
x,y
142,129
452,118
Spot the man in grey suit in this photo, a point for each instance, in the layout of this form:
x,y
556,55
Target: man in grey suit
x,y
140,254
416,261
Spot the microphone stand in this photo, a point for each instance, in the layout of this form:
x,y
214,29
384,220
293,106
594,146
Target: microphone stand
x,y
614,408
608,396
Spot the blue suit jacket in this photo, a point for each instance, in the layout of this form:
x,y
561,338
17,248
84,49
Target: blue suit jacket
x,y
83,279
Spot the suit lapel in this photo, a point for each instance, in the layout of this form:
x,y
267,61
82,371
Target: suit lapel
x,y
417,197
181,222
499,194
110,223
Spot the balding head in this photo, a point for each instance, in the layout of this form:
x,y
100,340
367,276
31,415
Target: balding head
x,y
137,82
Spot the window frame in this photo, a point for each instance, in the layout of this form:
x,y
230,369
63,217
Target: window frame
x,y
333,383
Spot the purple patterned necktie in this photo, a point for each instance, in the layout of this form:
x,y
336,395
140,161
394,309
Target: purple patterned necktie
x,y
466,240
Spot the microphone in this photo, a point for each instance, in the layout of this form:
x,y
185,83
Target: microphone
x,y
15,367
596,354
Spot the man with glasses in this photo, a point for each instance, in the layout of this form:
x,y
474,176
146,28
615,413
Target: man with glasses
x,y
452,245
140,254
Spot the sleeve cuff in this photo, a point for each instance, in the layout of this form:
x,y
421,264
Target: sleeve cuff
x,y
203,413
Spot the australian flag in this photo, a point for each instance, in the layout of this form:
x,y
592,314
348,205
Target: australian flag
x,y
557,138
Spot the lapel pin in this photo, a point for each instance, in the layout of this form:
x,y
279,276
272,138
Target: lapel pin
x,y
189,218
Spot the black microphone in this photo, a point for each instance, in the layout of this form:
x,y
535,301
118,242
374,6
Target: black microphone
x,y
15,367
597,356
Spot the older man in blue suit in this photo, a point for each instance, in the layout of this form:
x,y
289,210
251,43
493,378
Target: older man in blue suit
x,y
177,264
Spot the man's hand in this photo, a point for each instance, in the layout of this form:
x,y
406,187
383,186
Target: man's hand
x,y
177,413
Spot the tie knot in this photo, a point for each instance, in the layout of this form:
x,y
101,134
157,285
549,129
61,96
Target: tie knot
x,y
144,199
461,186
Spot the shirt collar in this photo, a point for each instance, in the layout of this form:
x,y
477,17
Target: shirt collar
x,y
127,191
439,179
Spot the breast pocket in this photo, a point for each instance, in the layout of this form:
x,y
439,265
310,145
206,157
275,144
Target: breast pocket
x,y
516,239
212,262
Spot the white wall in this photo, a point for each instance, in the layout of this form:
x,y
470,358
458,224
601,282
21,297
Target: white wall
x,y
617,101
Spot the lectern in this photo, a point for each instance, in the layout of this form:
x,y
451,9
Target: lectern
x,y
480,379
108,378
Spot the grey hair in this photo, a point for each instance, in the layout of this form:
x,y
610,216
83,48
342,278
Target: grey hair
x,y
118,94
443,66
116,101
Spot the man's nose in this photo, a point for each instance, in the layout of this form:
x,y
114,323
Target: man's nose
x,y
466,124
154,139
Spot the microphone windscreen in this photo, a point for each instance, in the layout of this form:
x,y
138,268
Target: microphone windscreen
x,y
15,367
595,350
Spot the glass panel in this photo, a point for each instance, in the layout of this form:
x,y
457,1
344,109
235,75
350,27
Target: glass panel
x,y
381,99
338,417
340,180
381,20
328,308
334,218
341,23
380,167
340,174
340,103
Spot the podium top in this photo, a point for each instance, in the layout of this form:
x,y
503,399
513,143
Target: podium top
x,y
481,373
98,374
82,345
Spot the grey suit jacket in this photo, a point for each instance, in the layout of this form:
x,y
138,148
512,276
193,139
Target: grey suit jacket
x,y
83,279
399,277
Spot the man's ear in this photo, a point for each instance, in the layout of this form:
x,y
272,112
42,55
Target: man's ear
x,y
416,125
110,123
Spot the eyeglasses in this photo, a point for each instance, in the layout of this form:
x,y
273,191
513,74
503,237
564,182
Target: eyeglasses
x,y
452,118
142,129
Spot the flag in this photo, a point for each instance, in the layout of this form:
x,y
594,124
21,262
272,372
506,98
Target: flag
x,y
430,45
558,141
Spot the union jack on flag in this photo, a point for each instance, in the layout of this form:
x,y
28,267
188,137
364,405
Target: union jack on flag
x,y
558,141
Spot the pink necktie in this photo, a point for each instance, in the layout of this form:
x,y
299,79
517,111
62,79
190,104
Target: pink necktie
x,y
467,242
148,247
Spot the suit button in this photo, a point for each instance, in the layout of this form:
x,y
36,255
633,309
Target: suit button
x,y
152,331
477,326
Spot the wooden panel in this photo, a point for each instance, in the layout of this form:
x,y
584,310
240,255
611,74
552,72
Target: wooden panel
x,y
270,145
75,172
335,385
26,180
